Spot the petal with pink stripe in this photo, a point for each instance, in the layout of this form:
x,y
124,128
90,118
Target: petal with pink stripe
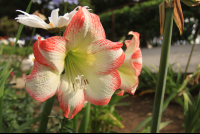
x,y
100,88
70,101
42,83
83,29
51,52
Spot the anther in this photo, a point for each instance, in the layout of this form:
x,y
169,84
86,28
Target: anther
x,y
87,81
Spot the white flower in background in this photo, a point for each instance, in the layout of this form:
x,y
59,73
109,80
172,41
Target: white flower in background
x,y
19,42
37,35
31,59
57,23
4,41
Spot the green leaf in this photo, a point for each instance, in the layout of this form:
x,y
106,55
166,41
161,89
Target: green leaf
x,y
10,128
178,80
187,101
111,131
108,118
162,125
4,75
21,27
27,124
85,120
147,120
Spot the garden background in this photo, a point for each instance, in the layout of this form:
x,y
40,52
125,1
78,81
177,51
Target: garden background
x,y
122,114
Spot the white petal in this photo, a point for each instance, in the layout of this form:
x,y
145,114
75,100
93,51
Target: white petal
x,y
42,83
70,101
32,20
54,17
63,21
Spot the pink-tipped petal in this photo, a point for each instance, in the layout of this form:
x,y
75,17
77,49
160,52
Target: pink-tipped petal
x,y
100,88
120,93
132,45
131,68
83,29
51,52
70,101
42,83
136,59
128,77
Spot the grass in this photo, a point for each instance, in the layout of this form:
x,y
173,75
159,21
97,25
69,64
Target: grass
x,y
23,51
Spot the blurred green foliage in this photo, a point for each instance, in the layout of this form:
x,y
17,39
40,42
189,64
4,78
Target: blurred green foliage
x,y
128,15
22,51
144,18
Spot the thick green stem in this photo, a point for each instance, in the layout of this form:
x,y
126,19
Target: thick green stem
x,y
85,120
45,113
160,88
75,121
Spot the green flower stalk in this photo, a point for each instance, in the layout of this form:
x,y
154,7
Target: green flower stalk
x,y
160,88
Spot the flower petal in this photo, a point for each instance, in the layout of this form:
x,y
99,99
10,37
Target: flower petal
x,y
128,77
132,44
51,52
136,60
102,57
42,83
83,29
131,68
31,20
100,88
70,101
54,17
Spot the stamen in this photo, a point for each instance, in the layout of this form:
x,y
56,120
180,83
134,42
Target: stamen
x,y
87,81
51,24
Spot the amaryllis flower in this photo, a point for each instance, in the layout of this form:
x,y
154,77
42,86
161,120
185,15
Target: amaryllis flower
x,y
81,65
57,23
131,68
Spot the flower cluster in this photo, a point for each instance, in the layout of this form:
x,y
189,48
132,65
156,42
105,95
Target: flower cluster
x,y
57,2
82,65
11,41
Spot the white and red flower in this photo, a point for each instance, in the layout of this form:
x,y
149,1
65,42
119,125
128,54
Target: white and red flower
x,y
81,65
131,68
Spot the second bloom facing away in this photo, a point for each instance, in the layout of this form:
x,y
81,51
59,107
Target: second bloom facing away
x,y
81,65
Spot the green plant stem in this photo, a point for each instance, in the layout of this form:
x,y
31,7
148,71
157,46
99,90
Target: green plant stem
x,y
75,121
63,124
191,52
1,103
160,87
45,113
85,120
65,8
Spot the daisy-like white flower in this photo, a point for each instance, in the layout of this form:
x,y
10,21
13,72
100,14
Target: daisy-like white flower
x,y
4,41
81,65
57,23
19,42
131,68
37,36
31,59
